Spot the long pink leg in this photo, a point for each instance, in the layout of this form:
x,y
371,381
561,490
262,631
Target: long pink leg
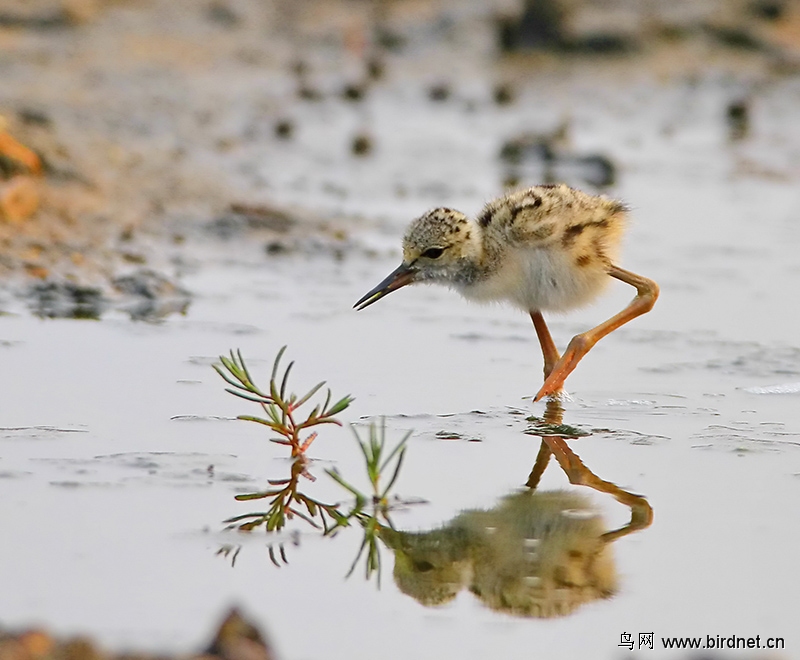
x,y
549,350
580,345
551,358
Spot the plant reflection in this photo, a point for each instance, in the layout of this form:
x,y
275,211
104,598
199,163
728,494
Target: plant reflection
x,y
281,409
371,512
377,462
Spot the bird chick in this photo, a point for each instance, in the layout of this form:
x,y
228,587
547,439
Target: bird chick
x,y
545,248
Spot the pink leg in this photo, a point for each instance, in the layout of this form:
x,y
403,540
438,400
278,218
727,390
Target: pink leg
x,y
647,293
549,350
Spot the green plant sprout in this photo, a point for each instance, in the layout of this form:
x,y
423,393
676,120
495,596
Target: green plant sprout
x,y
377,462
281,416
373,452
280,409
286,501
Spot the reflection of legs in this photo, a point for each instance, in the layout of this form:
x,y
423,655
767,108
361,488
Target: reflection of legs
x,y
549,350
647,293
553,414
542,459
580,475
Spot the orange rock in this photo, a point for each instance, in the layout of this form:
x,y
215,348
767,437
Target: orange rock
x,y
37,643
81,648
32,252
19,152
81,11
19,199
37,271
11,649
238,639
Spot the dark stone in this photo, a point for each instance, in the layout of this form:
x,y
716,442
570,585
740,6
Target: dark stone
x,y
527,146
737,115
389,39
439,92
34,117
354,92
147,295
504,94
45,21
361,145
768,10
375,68
598,170
220,13
539,27
66,300
309,93
284,128
276,247
735,37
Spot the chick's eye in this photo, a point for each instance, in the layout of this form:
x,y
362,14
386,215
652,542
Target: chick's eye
x,y
433,253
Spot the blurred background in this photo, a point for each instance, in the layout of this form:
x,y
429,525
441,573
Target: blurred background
x,y
303,123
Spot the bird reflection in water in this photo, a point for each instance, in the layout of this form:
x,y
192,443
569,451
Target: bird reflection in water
x,y
537,553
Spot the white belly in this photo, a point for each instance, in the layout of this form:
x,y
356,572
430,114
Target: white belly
x,y
539,280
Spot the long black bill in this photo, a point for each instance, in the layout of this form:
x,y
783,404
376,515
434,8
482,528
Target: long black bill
x,y
399,277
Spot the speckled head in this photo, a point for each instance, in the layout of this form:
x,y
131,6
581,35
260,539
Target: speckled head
x,y
437,238
436,247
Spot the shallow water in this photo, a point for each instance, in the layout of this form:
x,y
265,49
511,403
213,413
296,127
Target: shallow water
x,y
112,518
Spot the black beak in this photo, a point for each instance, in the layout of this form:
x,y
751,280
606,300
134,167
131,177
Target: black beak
x,y
399,277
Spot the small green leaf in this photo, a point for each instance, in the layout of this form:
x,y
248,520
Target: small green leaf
x,y
259,420
313,391
234,382
396,473
273,392
339,406
398,447
333,473
260,514
256,398
242,497
243,366
272,411
285,380
277,362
